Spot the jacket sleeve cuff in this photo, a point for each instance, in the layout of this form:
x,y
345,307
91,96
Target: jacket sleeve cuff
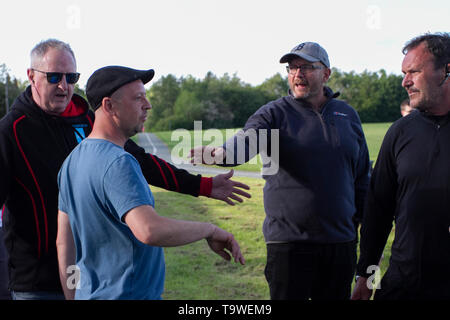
x,y
205,186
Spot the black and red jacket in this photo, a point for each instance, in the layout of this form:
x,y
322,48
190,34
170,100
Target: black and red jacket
x,y
33,146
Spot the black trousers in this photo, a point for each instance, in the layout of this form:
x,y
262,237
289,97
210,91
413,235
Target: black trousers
x,y
302,271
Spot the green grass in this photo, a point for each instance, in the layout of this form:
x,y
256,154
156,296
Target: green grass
x,y
194,272
374,133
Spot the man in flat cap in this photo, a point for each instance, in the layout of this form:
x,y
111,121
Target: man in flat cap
x,y
313,201
107,224
44,125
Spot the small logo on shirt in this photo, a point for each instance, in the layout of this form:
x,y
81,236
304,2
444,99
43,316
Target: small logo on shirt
x,y
79,131
339,114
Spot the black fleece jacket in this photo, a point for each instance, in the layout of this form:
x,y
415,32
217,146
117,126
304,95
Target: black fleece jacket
x,y
410,186
33,146
320,186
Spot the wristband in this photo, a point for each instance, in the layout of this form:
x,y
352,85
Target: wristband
x,y
205,187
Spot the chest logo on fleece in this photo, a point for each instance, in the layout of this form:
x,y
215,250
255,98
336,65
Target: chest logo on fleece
x,y
339,114
79,132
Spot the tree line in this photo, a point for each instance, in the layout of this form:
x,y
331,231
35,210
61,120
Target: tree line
x,y
227,101
10,89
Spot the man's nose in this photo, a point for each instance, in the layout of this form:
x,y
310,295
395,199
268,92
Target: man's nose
x,y
148,106
63,85
406,82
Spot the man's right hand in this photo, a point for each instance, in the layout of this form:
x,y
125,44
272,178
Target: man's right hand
x,y
221,240
361,290
207,155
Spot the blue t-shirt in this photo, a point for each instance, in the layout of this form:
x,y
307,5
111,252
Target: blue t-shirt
x,y
99,183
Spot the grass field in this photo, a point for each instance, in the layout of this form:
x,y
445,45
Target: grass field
x,y
193,272
166,136
374,133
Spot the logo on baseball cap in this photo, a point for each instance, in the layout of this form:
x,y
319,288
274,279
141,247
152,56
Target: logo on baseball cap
x,y
310,51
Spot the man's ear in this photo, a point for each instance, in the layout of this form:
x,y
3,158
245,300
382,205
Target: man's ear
x,y
107,105
30,75
326,74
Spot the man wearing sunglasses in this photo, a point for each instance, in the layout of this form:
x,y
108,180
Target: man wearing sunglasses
x,y
47,121
312,200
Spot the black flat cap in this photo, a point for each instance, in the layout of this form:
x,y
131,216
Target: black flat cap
x,y
105,81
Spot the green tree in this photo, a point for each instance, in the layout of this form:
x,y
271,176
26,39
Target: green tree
x,y
274,87
162,95
187,109
375,95
10,86
79,91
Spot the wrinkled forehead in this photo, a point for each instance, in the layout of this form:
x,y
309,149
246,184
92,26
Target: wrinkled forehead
x,y
417,58
55,60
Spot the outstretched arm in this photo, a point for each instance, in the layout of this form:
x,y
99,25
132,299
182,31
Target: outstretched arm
x,y
162,174
152,229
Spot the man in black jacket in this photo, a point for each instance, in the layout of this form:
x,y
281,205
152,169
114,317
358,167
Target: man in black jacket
x,y
314,197
410,185
45,124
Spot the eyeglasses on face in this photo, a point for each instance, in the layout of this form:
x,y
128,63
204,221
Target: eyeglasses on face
x,y
56,77
304,68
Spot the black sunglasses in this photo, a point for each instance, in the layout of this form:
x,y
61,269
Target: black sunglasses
x,y
56,77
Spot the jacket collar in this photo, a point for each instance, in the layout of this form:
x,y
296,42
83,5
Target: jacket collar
x,y
78,106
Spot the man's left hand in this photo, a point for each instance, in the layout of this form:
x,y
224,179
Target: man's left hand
x,y
225,189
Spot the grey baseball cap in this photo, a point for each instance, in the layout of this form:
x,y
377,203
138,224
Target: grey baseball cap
x,y
310,51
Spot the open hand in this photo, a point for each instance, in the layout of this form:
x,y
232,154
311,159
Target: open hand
x,y
225,189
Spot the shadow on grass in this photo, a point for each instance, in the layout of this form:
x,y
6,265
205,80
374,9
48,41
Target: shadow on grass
x,y
194,272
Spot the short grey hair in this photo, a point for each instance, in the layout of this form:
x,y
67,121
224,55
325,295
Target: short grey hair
x,y
39,51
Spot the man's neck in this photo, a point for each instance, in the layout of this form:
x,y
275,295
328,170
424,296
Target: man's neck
x,y
108,135
442,108
319,102
316,103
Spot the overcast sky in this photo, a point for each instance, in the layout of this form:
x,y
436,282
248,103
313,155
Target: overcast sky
x,y
246,37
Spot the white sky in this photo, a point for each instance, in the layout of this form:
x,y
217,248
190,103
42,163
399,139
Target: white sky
x,y
246,37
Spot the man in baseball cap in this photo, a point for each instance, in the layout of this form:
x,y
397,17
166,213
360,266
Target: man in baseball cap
x,y
314,198
107,224
308,71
